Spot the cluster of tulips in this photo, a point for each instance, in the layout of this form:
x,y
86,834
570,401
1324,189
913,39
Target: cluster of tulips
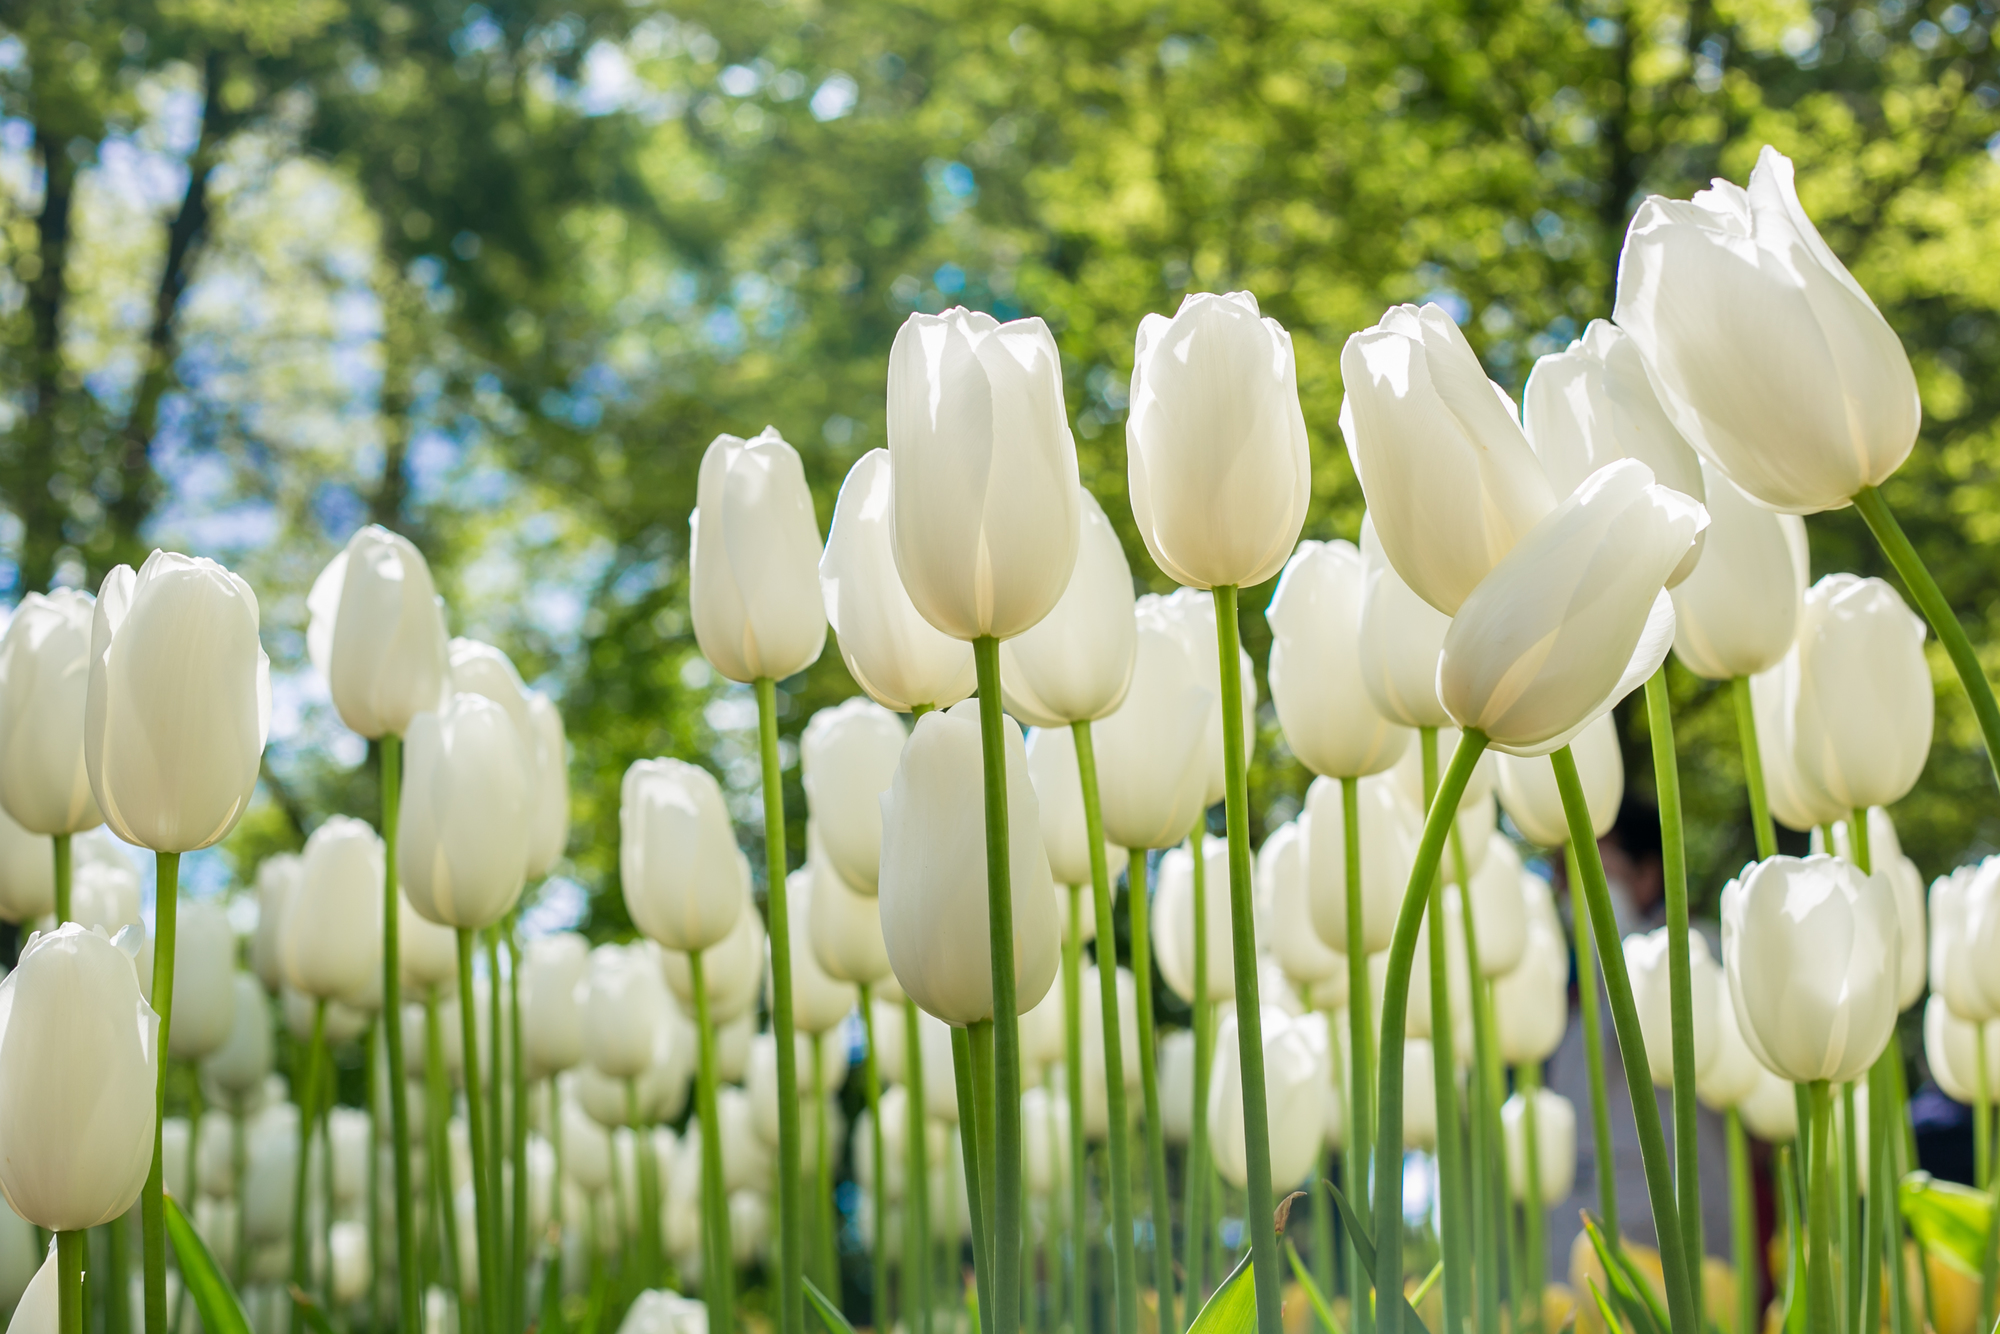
x,y
557,1134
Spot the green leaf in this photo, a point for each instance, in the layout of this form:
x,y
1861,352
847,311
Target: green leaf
x,y
828,1313
1314,1296
1629,1288
1364,1250
1604,1310
1949,1220
1430,1281
1231,1308
221,1312
309,1309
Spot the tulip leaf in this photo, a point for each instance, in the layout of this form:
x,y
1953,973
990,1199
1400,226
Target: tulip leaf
x,y
221,1312
1604,1311
1630,1291
1231,1308
1430,1281
1314,1296
828,1313
310,1311
1364,1249
1949,1220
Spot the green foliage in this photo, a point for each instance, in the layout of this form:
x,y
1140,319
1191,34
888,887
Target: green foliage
x,y
1950,1221
214,1299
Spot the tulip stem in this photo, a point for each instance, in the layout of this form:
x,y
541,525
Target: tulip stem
x,y
1489,1144
1195,1214
1360,1046
1683,1313
1753,769
1124,1254
306,1096
1243,952
1453,1214
871,1089
152,1200
409,1292
1821,1311
1931,601
970,1113
437,1113
69,1280
60,842
791,1207
475,1115
1149,1087
648,1210
1072,979
718,1282
1680,973
1743,1222
1534,1210
1006,1205
496,1138
1395,1011
1982,1157
917,1183
826,1258
1601,1154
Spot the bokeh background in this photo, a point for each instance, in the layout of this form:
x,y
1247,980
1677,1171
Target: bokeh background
x,y
495,274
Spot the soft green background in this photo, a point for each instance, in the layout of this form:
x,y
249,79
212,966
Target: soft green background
x,y
496,274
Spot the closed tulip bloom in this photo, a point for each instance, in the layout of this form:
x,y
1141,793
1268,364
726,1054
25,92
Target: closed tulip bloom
x,y
1044,1141
1574,618
426,953
1173,923
1176,1080
548,835
733,971
847,758
1646,961
624,1007
820,1001
27,873
1734,1073
1864,705
376,632
333,934
179,702
1555,1145
479,668
1887,859
678,863
1215,442
76,1136
1811,949
933,881
1042,1036
1386,852
1531,1003
1076,664
1152,773
1285,914
239,1066
1771,1112
204,980
983,478
44,680
1059,793
1293,1075
1499,909
891,651
468,798
551,1015
1768,355
1317,680
1953,915
1738,613
277,881
1096,1107
1450,479
1190,614
753,564
1528,785
1592,404
1795,802
844,926
1951,1048
1400,640
1419,1095
1978,920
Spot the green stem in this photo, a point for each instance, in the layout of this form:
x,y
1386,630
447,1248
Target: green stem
x,y
791,1206
475,1115
1753,769
329,1095
1853,1236
1072,963
517,1290
1593,1049
239,1155
61,845
496,1138
1149,1087
306,1096
823,1237
1195,1212
437,1112
1794,1221
1821,1310
1124,1253
917,1189
1360,1046
983,1084
1902,1154
1742,1222
648,1210
1930,601
1489,1152
719,1282
409,1292
871,1090
1674,1258
1395,1011
1243,951
152,1199
1528,1078
371,1059
1453,1214
969,1116
69,1281
117,1306
1006,1204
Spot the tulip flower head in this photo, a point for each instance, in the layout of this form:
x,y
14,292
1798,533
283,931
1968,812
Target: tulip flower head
x,y
1317,677
1400,640
679,866
1075,665
204,974
844,926
1151,767
551,1014
1528,786
1646,961
753,577
332,942
1285,915
1864,706
1738,613
847,756
1554,1120
1294,1073
27,873
1387,849
1189,615
1592,404
1052,768
1174,926
44,682
467,803
820,1001
376,632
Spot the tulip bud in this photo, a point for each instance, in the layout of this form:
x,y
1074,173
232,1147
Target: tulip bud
x,y
1044,1141
277,881
1864,707
27,873
753,565
1788,920
1529,795
847,758
732,972
624,1006
1887,859
1175,1076
467,802
44,680
1795,802
844,927
1075,665
204,980
1957,903
332,941
377,633
891,651
1317,679
551,1017
1151,767
1738,613
1190,615
983,483
1574,618
1767,354
1734,1073
1499,909
1215,442
1450,480
1531,1003
426,953
1591,404
679,867
1771,1112
1096,1107
1042,1036
1399,643
1951,1048
1386,853
239,1066
1293,1074
933,878
179,702
548,835
1284,913
77,1134
1052,768
819,1002
1646,962
106,894
1555,1145
1173,924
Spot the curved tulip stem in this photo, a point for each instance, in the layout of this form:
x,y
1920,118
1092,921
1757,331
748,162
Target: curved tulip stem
x,y
1753,768
1929,598
306,1096
917,1183
970,1113
60,844
719,1285
152,1199
475,1116
69,1281
1680,974
1118,1188
871,1091
1742,1221
1360,1046
1195,1213
1454,1216
1149,1086
1674,1259
1243,954
1072,980
1821,1310
791,1205
409,1291
1601,1154
1395,1011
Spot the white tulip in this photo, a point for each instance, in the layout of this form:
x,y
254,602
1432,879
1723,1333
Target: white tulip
x,y
1591,404
44,681
1738,613
1771,1112
27,873
277,881
1386,853
1151,771
1886,859
1077,663
679,867
1052,768
1173,922
1863,712
843,927
1531,1003
1317,678
753,563
1294,1104
376,632
204,980
1795,802
1734,1073
820,1002
1646,960
1528,786
1499,909
1951,1048
1555,1145
1400,641
548,835
847,758
1285,915
332,944
552,971
467,803
1190,615
732,972
1096,1107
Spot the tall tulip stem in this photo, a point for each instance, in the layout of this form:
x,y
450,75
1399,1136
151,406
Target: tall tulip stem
x,y
871,1089
1489,1144
69,1281
1682,1310
1243,953
1072,980
917,1181
1601,1154
1753,769
1930,600
1742,1220
719,1284
517,1287
791,1204
1360,1043
1124,1254
409,1290
827,1259
60,845
1149,1089
496,1138
969,1115
1454,1215
306,1097
437,1111
1680,973
1821,1309
1195,1213
1534,1210
1006,1205
1395,1011
475,1116
152,1200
